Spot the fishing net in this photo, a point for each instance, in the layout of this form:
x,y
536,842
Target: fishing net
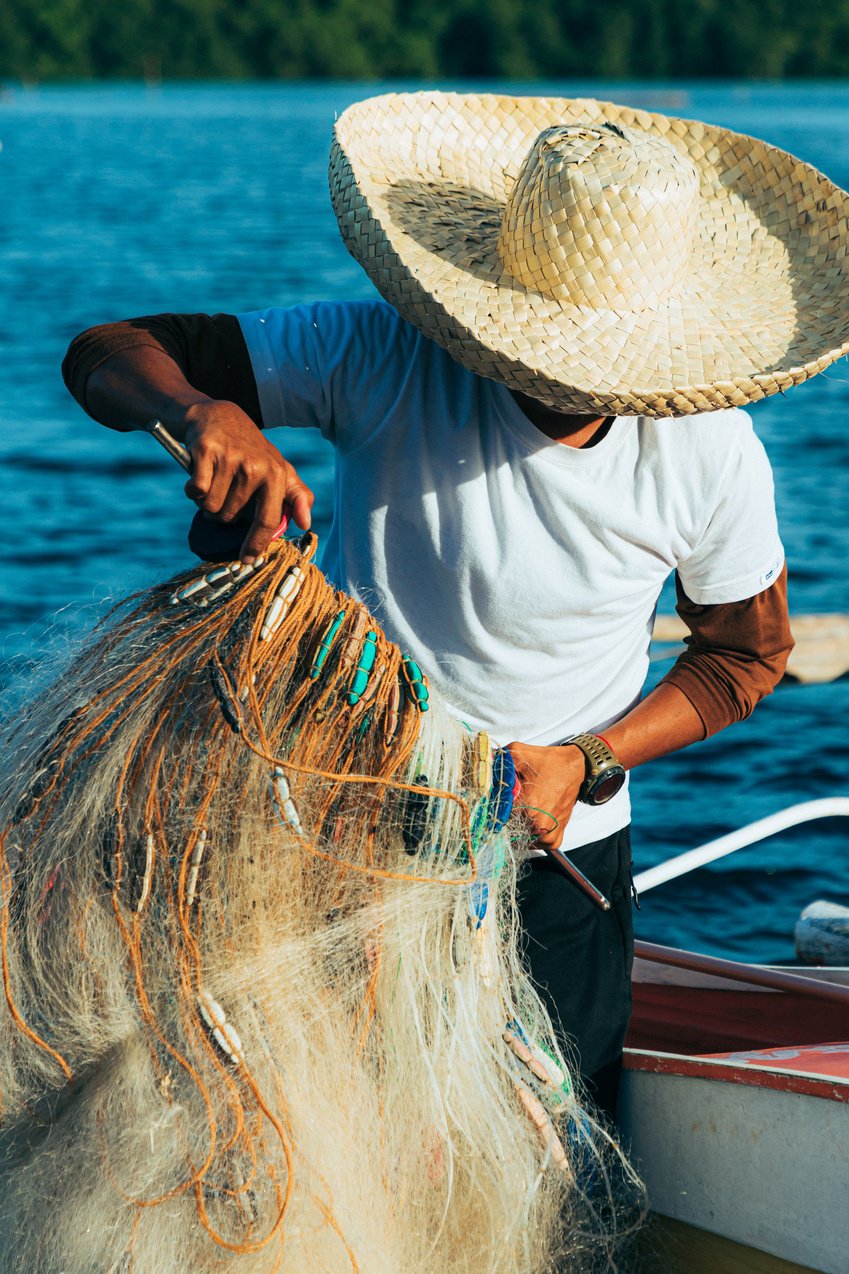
x,y
265,1008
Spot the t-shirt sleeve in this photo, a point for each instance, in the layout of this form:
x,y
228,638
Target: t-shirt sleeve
x,y
331,365
739,552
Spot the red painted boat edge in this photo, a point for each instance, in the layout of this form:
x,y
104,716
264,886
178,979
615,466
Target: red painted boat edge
x,y
785,1081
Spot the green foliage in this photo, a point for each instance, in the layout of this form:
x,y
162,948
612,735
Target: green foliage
x,y
427,39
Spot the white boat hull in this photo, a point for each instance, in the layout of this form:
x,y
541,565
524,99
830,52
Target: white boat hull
x,y
765,1164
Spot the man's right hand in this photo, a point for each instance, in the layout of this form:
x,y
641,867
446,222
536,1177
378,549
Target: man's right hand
x,y
234,465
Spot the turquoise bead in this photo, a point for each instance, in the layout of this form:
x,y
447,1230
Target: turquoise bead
x,y
417,691
324,649
364,667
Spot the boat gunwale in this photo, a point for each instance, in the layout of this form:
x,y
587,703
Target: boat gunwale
x,y
723,1070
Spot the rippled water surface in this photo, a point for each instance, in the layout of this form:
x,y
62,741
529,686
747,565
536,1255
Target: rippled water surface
x,y
117,201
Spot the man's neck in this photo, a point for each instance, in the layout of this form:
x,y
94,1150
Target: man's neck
x,y
572,431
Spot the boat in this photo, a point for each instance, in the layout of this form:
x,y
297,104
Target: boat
x,y
734,1100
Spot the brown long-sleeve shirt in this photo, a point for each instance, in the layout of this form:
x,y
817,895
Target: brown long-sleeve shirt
x,y
736,653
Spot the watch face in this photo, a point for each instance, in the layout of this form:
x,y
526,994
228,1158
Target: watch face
x,y
607,787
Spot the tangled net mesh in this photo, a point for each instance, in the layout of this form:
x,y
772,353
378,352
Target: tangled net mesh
x,y
265,1004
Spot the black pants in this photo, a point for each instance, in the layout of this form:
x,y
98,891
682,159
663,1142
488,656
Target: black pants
x,y
580,956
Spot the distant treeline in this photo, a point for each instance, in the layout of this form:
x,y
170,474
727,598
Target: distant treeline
x,y
429,39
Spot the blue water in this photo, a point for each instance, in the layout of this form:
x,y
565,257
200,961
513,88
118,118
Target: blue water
x,y
117,201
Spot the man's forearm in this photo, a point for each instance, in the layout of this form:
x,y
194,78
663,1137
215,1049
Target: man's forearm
x,y
139,385
661,723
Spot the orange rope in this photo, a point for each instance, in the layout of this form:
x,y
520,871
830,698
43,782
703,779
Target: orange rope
x,y
316,738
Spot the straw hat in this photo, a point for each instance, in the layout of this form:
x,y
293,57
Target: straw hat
x,y
602,259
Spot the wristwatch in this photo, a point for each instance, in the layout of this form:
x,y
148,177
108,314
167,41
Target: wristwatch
x,y
604,776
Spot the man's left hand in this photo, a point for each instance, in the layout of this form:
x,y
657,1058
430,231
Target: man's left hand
x,y
551,779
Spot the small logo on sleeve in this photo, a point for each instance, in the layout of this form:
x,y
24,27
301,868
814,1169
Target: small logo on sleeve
x,y
770,575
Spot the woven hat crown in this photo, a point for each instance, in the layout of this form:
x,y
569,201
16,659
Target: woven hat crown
x,y
601,216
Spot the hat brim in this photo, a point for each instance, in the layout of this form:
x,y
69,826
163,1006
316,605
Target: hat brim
x,y
419,182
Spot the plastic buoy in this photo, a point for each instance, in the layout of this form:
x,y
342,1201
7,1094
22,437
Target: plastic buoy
x,y
822,934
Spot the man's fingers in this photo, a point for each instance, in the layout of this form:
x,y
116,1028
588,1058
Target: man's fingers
x,y
269,505
242,489
299,500
203,470
549,837
546,828
230,490
216,478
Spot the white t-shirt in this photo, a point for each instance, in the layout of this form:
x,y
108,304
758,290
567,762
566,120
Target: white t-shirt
x,y
522,574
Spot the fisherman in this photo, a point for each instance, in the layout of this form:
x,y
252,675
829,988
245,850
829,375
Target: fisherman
x,y
558,276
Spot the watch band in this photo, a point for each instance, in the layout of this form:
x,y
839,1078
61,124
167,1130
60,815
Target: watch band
x,y
601,762
596,749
